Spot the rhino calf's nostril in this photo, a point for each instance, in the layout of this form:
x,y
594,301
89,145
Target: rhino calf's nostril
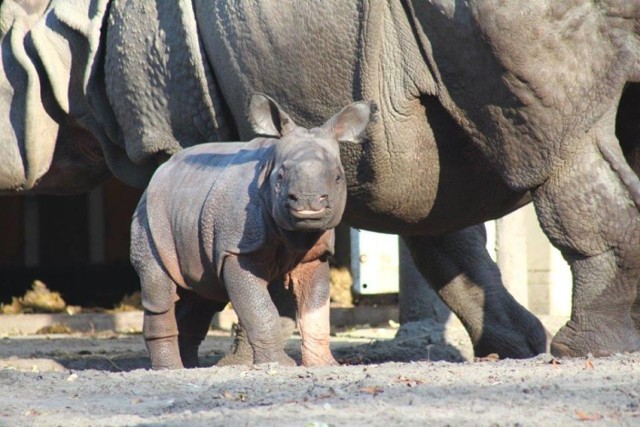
x,y
292,197
323,198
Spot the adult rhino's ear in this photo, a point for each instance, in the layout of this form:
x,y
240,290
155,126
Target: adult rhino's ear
x,y
267,118
349,124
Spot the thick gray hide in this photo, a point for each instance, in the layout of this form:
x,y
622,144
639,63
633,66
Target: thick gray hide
x,y
483,105
51,135
467,91
375,54
216,221
60,132
159,84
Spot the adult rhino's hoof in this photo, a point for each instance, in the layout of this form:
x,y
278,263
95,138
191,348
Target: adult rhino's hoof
x,y
600,338
509,345
520,337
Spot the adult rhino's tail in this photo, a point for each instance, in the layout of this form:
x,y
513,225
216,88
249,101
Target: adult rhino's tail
x,y
613,155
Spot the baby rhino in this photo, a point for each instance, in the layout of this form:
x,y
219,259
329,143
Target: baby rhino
x,y
222,222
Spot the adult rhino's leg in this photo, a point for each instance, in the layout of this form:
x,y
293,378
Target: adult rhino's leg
x,y
461,271
241,352
193,316
417,300
628,132
589,210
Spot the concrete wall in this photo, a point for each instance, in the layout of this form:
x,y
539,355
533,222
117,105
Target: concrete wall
x,y
534,271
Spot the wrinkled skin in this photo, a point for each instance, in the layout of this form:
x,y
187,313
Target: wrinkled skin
x,y
226,222
483,106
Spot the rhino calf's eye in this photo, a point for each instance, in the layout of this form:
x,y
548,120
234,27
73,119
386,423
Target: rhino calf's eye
x,y
338,179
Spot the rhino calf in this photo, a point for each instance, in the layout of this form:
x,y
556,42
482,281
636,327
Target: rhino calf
x,y
222,222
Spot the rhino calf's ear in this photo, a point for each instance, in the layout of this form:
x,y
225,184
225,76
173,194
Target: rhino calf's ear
x,y
267,118
349,124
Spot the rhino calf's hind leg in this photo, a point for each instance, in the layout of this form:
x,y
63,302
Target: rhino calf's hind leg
x,y
588,213
241,352
193,316
257,313
285,302
158,291
160,328
161,339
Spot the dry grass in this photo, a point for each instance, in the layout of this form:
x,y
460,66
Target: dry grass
x,y
39,299
131,302
56,328
341,282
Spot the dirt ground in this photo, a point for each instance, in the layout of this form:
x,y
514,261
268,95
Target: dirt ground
x,y
425,376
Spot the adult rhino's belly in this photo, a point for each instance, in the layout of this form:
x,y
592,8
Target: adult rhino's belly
x,y
315,57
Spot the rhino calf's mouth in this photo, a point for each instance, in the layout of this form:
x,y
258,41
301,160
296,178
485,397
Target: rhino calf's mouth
x,y
309,213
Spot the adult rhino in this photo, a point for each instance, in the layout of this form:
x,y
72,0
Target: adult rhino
x,y
483,106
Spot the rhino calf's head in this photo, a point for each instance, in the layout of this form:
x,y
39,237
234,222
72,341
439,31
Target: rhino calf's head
x,y
306,186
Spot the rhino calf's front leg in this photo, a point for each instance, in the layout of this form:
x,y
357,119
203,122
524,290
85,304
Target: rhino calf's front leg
x,y
240,352
252,302
311,288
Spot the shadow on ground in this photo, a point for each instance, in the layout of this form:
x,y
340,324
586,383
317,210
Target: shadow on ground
x,y
418,341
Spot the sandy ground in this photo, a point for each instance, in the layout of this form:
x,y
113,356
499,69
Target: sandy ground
x,y
425,376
